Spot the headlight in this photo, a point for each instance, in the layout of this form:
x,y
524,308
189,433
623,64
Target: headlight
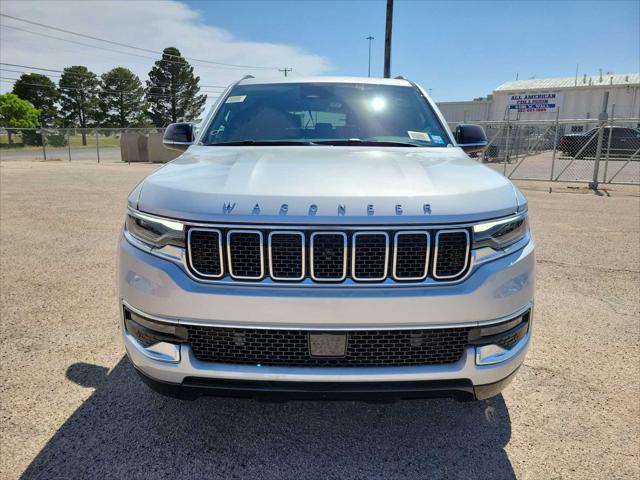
x,y
502,233
153,231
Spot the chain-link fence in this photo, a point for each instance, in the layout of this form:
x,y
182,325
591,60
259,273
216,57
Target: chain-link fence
x,y
89,145
582,150
565,150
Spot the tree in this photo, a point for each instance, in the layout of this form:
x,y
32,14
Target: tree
x,y
17,113
122,99
79,98
41,92
172,90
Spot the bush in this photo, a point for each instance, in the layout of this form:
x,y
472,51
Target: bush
x,y
30,137
57,140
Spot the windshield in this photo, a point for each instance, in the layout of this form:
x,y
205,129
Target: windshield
x,y
326,114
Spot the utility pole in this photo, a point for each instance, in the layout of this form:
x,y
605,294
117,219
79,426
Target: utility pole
x,y
285,70
369,69
387,40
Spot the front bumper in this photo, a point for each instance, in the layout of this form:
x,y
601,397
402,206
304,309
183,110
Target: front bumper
x,y
495,292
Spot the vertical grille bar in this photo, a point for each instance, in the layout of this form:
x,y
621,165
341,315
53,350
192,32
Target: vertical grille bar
x,y
370,256
328,256
451,254
205,252
411,255
286,255
245,253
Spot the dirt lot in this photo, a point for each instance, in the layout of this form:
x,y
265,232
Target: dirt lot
x,y
72,406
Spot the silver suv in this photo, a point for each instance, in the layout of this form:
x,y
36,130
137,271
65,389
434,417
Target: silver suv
x,y
326,237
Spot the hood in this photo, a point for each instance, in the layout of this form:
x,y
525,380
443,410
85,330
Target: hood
x,y
326,185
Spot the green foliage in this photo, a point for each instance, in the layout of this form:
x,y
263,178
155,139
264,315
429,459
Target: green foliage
x,y
122,99
41,92
79,96
172,90
17,113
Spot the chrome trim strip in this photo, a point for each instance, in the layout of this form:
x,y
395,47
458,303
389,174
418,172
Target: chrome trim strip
x,y
353,257
435,253
344,261
395,254
341,327
221,257
242,277
303,253
504,354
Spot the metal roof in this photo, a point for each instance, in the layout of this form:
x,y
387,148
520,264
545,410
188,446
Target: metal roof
x,y
570,82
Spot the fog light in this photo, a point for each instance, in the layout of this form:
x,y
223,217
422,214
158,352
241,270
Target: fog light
x,y
157,340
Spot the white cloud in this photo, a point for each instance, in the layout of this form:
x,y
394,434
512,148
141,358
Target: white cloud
x,y
152,25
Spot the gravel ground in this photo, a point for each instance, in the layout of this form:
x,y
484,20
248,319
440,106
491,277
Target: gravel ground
x,y
72,406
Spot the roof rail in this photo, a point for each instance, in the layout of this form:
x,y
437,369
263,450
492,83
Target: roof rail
x,y
245,77
399,77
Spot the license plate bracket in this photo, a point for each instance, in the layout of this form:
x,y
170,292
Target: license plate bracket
x,y
328,344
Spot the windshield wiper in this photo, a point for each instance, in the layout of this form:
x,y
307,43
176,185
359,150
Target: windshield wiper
x,y
260,143
365,143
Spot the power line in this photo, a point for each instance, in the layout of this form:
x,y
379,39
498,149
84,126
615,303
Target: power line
x,y
111,49
91,37
73,73
126,92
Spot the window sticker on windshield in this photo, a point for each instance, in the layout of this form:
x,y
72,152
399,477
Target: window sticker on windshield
x,y
419,136
437,139
236,99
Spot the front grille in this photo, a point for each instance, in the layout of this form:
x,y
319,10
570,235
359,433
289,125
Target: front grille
x,y
328,256
365,348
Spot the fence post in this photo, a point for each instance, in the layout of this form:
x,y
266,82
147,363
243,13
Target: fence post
x,y
555,142
69,142
602,118
43,139
97,144
606,161
506,147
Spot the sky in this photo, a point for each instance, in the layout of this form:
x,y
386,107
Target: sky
x,y
458,50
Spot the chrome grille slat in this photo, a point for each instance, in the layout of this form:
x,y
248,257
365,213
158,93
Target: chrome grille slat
x,y
206,256
287,255
245,254
328,256
402,255
411,255
451,254
369,256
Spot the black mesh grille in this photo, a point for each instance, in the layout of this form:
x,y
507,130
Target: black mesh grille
x,y
332,261
370,256
286,255
411,255
328,256
205,252
245,255
376,348
452,254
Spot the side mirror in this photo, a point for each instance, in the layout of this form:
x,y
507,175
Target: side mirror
x,y
471,138
178,136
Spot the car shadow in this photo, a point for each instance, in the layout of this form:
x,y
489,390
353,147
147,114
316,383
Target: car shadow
x,y
124,430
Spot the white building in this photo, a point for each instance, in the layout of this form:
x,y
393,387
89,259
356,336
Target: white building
x,y
540,99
